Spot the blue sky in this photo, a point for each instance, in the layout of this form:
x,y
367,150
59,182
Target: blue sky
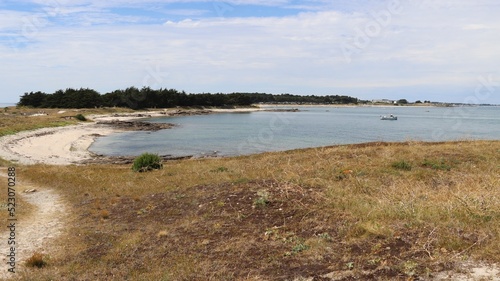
x,y
414,49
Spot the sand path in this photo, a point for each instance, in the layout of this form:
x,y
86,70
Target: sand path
x,y
38,231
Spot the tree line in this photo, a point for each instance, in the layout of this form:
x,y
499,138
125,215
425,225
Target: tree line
x,y
146,97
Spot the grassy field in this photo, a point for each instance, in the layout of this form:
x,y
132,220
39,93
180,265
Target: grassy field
x,y
371,211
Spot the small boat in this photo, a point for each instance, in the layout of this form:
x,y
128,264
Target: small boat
x,y
390,117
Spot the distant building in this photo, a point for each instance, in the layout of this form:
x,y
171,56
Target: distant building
x,y
384,101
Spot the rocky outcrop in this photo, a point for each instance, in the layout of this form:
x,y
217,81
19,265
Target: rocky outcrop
x,y
136,125
283,110
181,112
125,160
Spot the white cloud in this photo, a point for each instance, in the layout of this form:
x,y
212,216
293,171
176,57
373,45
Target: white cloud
x,y
427,50
142,3
11,20
476,27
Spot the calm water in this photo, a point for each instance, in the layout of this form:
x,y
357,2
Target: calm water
x,y
247,133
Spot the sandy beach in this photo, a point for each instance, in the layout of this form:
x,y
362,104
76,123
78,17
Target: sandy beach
x,y
61,145
56,146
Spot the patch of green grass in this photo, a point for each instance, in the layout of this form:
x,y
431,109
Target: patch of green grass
x,y
325,236
436,164
220,170
410,268
262,199
7,132
299,248
401,165
350,265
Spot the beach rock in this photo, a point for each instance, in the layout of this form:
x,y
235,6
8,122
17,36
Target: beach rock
x,y
283,110
128,115
181,112
126,160
136,125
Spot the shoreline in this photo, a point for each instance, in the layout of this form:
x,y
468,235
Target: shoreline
x,y
54,146
69,145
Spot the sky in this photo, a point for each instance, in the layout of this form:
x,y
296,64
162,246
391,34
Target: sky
x,y
437,50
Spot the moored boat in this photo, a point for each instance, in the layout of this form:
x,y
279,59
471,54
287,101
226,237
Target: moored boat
x,y
390,117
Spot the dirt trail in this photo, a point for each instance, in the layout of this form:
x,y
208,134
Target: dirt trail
x,y
466,272
35,232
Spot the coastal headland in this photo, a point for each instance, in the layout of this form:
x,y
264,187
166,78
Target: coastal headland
x,y
374,211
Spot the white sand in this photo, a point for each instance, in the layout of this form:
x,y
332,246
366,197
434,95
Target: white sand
x,y
56,146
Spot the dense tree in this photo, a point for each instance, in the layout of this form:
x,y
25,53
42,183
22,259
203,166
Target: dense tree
x,y
69,98
34,99
146,97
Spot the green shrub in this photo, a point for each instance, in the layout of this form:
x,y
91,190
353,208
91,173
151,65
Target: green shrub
x,y
147,162
80,117
300,248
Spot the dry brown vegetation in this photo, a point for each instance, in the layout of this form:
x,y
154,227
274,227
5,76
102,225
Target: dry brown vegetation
x,y
36,260
17,119
373,211
22,209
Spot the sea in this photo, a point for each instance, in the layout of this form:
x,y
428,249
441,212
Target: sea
x,y
231,134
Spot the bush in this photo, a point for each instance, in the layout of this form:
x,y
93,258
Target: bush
x,y
80,117
36,260
147,162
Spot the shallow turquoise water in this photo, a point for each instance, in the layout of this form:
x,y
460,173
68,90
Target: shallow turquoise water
x,y
247,133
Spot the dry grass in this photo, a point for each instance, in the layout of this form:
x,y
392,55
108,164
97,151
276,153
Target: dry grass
x,y
5,163
17,119
22,208
36,260
345,208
